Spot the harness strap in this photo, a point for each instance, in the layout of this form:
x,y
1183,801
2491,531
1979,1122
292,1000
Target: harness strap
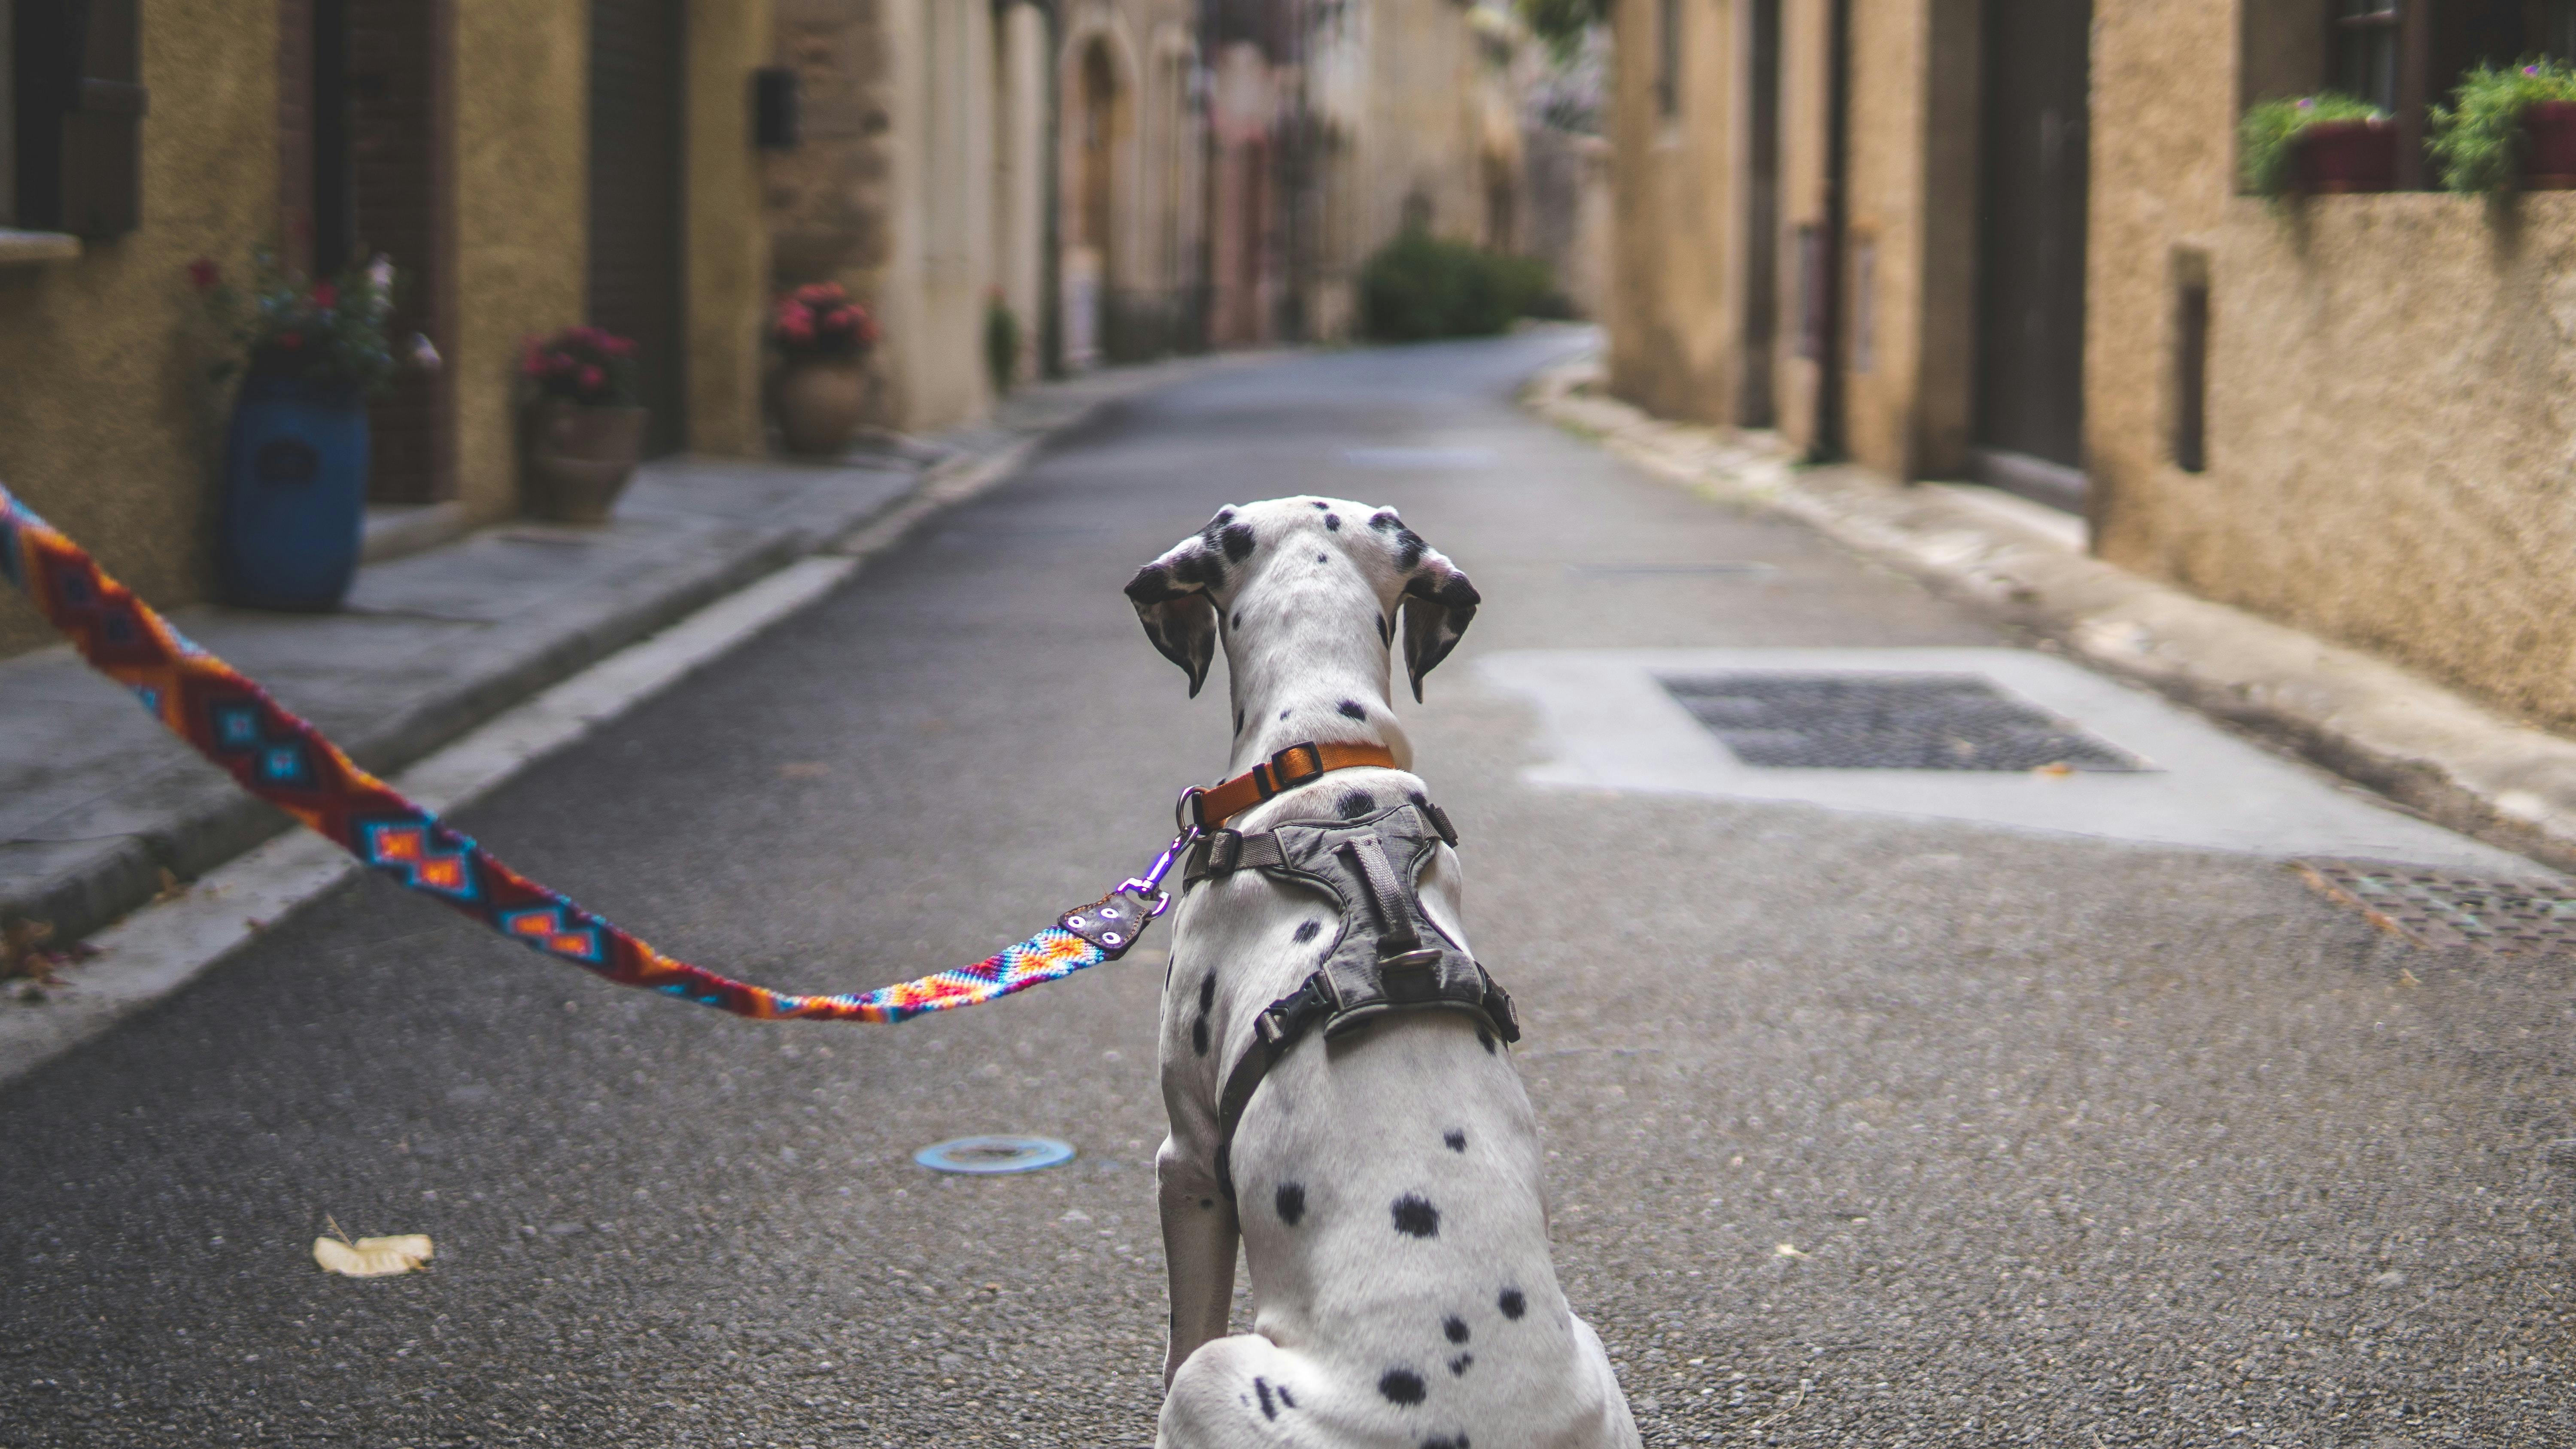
x,y
1385,958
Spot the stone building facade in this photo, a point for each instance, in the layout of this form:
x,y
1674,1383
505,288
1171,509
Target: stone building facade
x,y
2005,240
460,139
919,183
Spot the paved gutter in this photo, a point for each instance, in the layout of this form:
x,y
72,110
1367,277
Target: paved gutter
x,y
2432,750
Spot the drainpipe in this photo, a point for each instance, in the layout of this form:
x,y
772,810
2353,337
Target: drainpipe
x,y
1827,444
1209,157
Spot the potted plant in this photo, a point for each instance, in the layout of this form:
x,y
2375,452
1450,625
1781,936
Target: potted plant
x,y
2324,143
2510,129
585,430
823,338
296,453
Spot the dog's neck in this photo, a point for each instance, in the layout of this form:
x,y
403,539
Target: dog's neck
x,y
1307,658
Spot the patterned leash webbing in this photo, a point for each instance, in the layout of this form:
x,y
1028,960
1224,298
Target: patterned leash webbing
x,y
287,762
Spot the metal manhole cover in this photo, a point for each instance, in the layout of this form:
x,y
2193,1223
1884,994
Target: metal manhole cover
x,y
983,1155
2438,908
1856,721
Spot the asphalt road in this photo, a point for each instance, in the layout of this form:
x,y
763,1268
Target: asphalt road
x,y
2075,1142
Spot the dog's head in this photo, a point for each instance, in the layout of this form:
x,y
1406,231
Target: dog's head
x,y
1186,596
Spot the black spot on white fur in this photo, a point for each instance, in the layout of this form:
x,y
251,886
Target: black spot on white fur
x,y
1350,709
1512,1303
1409,548
1238,619
1383,636
1485,1039
1307,931
1332,523
1199,1036
1384,520
1355,804
1207,991
1457,1441
1238,542
1456,1139
1459,1365
1286,1399
1400,1386
1290,1200
1455,1327
1238,720
1317,504
1269,1410
1416,1217
1323,558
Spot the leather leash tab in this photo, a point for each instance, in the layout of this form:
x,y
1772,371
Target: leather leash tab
x,y
1299,764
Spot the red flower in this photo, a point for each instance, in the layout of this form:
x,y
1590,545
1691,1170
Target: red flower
x,y
592,379
290,340
202,275
326,296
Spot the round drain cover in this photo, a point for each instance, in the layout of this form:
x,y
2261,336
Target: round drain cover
x,y
994,1154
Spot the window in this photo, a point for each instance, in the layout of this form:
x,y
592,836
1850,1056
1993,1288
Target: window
x,y
74,116
8,117
2364,54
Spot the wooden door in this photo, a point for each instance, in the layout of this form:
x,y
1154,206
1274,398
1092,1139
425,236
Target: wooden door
x,y
636,283
2030,303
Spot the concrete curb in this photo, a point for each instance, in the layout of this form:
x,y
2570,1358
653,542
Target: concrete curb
x,y
2435,752
243,866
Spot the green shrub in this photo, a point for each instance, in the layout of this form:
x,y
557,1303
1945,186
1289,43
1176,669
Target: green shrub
x,y
2268,138
2478,137
1561,23
1001,344
1420,286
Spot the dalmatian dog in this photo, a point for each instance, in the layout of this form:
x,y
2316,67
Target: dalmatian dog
x,y
1383,1185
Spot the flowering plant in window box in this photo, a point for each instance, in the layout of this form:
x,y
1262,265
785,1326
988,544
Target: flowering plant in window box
x,y
2509,129
585,427
823,336
2322,143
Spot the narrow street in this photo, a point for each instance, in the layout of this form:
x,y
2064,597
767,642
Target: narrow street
x,y
1871,1119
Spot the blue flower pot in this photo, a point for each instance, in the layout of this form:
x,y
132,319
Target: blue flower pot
x,y
295,494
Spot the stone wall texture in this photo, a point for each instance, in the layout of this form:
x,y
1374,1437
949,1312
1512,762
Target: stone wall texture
x,y
2391,386
108,426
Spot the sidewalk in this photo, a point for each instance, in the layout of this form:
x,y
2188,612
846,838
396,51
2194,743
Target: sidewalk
x,y
2435,752
97,802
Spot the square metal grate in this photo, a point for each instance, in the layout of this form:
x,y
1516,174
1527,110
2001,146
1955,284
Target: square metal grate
x,y
2438,908
1886,722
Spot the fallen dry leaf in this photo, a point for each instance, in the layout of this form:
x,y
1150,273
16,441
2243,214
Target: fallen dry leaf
x,y
2055,770
1788,1250
23,952
372,1257
172,888
2407,978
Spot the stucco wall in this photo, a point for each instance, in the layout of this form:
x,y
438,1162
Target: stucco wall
x,y
2391,387
1676,312
107,424
726,244
521,120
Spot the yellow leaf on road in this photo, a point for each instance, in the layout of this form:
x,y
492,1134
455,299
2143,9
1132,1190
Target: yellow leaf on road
x,y
372,1257
1788,1250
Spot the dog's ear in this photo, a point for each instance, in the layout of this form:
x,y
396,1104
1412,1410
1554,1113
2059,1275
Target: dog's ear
x,y
1170,595
1439,603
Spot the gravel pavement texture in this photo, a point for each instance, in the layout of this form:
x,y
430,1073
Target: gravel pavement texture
x,y
1861,1129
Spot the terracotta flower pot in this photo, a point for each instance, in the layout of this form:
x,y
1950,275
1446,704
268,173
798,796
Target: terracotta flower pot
x,y
580,458
820,402
2342,156
2549,146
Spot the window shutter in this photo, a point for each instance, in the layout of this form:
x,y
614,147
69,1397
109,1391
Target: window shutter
x,y
80,104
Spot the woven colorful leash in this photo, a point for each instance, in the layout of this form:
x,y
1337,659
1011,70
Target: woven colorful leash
x,y
281,759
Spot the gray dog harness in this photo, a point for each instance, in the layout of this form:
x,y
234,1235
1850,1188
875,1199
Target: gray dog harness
x,y
1387,957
